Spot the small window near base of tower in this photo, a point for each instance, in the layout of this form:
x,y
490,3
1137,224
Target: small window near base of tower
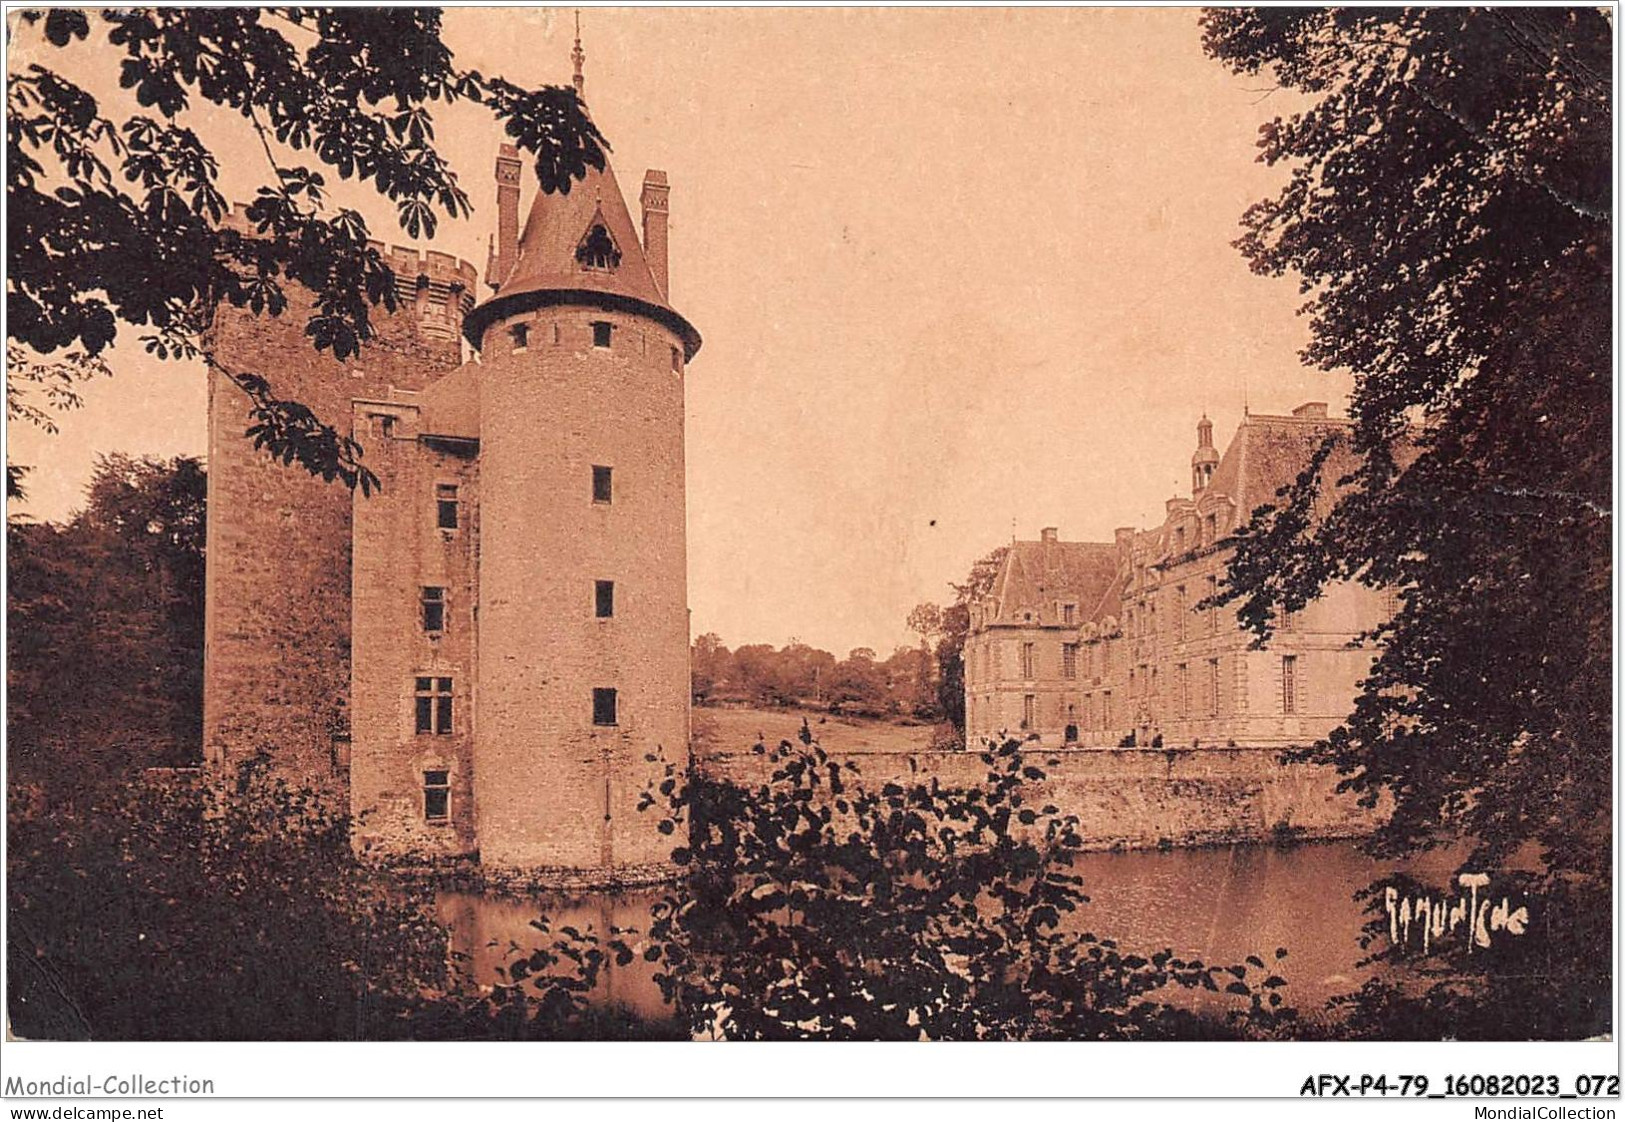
x,y
604,598
437,796
603,707
603,490
445,497
601,332
520,333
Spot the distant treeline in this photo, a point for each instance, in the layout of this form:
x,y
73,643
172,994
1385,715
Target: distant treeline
x,y
797,674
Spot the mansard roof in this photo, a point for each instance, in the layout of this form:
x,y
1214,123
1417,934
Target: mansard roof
x,y
1268,452
1036,576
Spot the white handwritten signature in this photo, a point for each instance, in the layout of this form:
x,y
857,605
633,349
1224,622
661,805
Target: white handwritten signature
x,y
1439,917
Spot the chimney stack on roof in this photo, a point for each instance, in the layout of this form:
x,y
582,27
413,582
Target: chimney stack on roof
x,y
499,262
1310,409
656,201
1049,534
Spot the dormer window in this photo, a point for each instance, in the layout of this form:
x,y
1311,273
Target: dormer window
x,y
598,250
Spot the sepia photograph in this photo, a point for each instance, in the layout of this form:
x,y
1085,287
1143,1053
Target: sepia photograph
x,y
661,525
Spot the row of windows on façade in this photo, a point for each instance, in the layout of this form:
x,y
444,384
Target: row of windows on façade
x,y
434,696
1098,713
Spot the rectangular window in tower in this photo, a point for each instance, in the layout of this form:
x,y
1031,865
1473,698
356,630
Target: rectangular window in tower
x,y
1289,683
603,706
1213,609
1026,660
1212,527
603,488
1069,614
520,334
445,502
1179,613
676,361
433,601
433,706
601,331
437,796
1106,710
1212,687
1069,660
1029,711
603,598
1183,687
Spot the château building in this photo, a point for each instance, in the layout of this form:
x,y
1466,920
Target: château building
x,y
1105,644
481,654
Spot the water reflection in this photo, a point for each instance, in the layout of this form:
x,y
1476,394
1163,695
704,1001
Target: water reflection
x,y
1219,905
490,930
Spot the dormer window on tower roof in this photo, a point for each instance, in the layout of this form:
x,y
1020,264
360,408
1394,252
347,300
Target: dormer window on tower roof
x,y
597,250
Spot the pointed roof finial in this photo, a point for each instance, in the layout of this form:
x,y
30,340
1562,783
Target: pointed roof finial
x,y
578,56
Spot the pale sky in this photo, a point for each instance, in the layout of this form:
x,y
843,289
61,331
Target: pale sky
x,y
955,269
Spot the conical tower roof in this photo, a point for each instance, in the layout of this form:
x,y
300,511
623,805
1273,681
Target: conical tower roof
x,y
582,248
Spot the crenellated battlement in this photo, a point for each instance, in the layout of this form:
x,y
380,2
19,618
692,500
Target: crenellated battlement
x,y
440,286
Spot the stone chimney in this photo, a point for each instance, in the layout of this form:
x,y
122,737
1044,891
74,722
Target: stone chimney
x,y
500,260
656,201
1049,534
1310,410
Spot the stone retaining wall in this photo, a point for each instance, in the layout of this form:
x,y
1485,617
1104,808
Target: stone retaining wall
x,y
1138,798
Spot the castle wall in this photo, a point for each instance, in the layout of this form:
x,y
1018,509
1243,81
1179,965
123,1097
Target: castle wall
x,y
552,788
277,583
400,549
1134,798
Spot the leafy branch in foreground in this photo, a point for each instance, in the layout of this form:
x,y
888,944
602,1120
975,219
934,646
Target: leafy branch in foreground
x,y
120,219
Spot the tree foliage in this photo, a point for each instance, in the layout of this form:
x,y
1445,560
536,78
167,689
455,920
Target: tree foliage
x,y
816,906
117,220
178,908
104,637
1448,215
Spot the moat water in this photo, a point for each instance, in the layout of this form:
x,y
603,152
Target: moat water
x,y
1217,904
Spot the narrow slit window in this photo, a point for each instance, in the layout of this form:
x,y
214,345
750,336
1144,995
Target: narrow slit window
x,y
433,706
604,598
445,501
437,796
1289,683
603,488
433,601
603,707
676,361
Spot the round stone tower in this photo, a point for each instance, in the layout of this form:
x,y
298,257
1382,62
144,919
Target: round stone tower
x,y
583,604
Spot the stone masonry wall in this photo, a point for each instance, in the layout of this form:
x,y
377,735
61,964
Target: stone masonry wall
x,y
277,584
1136,798
399,550
552,788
